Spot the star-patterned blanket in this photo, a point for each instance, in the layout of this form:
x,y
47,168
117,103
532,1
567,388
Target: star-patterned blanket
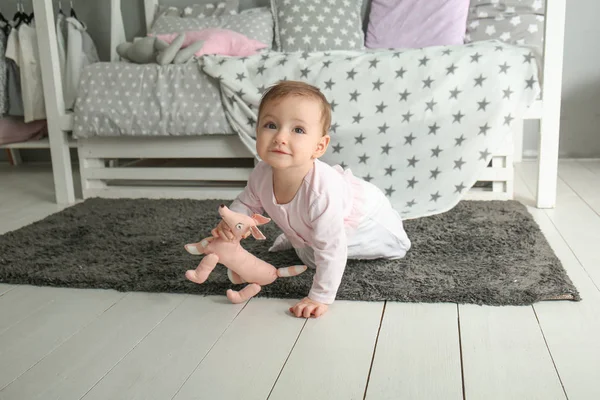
x,y
421,124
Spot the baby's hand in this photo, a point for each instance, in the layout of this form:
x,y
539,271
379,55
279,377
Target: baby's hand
x,y
223,231
307,307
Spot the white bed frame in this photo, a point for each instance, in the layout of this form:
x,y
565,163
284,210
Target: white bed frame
x,y
97,155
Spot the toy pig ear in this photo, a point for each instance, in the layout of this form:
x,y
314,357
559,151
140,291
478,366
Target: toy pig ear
x,y
257,234
260,220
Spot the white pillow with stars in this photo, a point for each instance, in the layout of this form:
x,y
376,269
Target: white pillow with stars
x,y
518,22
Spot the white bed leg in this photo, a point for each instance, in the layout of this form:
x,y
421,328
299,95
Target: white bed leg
x,y
15,156
517,137
497,186
548,161
509,184
551,92
61,166
89,185
54,101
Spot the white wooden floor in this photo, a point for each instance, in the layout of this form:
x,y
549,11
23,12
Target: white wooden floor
x,y
96,344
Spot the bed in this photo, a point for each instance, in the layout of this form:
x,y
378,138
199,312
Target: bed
x,y
152,166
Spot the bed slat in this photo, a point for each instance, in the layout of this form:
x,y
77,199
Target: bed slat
x,y
213,146
175,174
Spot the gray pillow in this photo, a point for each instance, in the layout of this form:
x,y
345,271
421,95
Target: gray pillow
x,y
170,11
227,7
318,25
213,9
256,23
519,22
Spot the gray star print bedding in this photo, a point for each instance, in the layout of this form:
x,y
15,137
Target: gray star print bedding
x,y
123,99
420,124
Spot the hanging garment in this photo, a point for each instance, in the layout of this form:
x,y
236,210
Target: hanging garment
x,y
31,76
13,76
25,53
3,75
61,33
81,52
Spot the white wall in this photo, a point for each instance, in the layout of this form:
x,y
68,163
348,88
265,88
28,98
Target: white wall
x,y
581,81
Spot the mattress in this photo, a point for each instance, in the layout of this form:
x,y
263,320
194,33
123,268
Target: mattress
x,y
125,99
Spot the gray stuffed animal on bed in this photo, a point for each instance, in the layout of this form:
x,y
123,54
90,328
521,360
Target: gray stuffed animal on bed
x,y
148,50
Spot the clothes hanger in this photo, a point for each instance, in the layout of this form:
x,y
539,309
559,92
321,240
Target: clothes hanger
x,y
60,11
73,14
19,16
23,17
29,17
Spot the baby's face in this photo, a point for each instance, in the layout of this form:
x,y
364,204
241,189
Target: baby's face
x,y
290,132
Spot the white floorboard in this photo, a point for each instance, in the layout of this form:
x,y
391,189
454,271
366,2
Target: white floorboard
x,y
418,354
77,365
247,359
27,196
72,344
28,184
332,356
571,329
505,356
4,288
24,344
581,179
27,216
592,165
159,365
18,304
577,223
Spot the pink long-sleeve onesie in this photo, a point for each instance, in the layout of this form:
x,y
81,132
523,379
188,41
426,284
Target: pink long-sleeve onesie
x,y
334,216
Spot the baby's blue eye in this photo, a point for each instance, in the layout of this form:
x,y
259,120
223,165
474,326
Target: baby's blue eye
x,y
298,130
270,125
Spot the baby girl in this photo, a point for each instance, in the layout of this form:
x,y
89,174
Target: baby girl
x,y
326,214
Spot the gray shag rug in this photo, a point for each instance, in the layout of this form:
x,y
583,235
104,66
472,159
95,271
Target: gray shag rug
x,y
489,253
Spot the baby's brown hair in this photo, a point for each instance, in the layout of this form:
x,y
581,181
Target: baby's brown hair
x,y
296,88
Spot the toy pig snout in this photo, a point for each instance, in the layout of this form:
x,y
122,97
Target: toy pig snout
x,y
223,210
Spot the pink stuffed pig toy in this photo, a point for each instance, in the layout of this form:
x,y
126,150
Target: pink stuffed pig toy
x,y
242,267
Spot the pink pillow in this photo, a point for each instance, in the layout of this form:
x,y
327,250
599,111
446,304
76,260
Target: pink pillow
x,y
416,23
218,41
